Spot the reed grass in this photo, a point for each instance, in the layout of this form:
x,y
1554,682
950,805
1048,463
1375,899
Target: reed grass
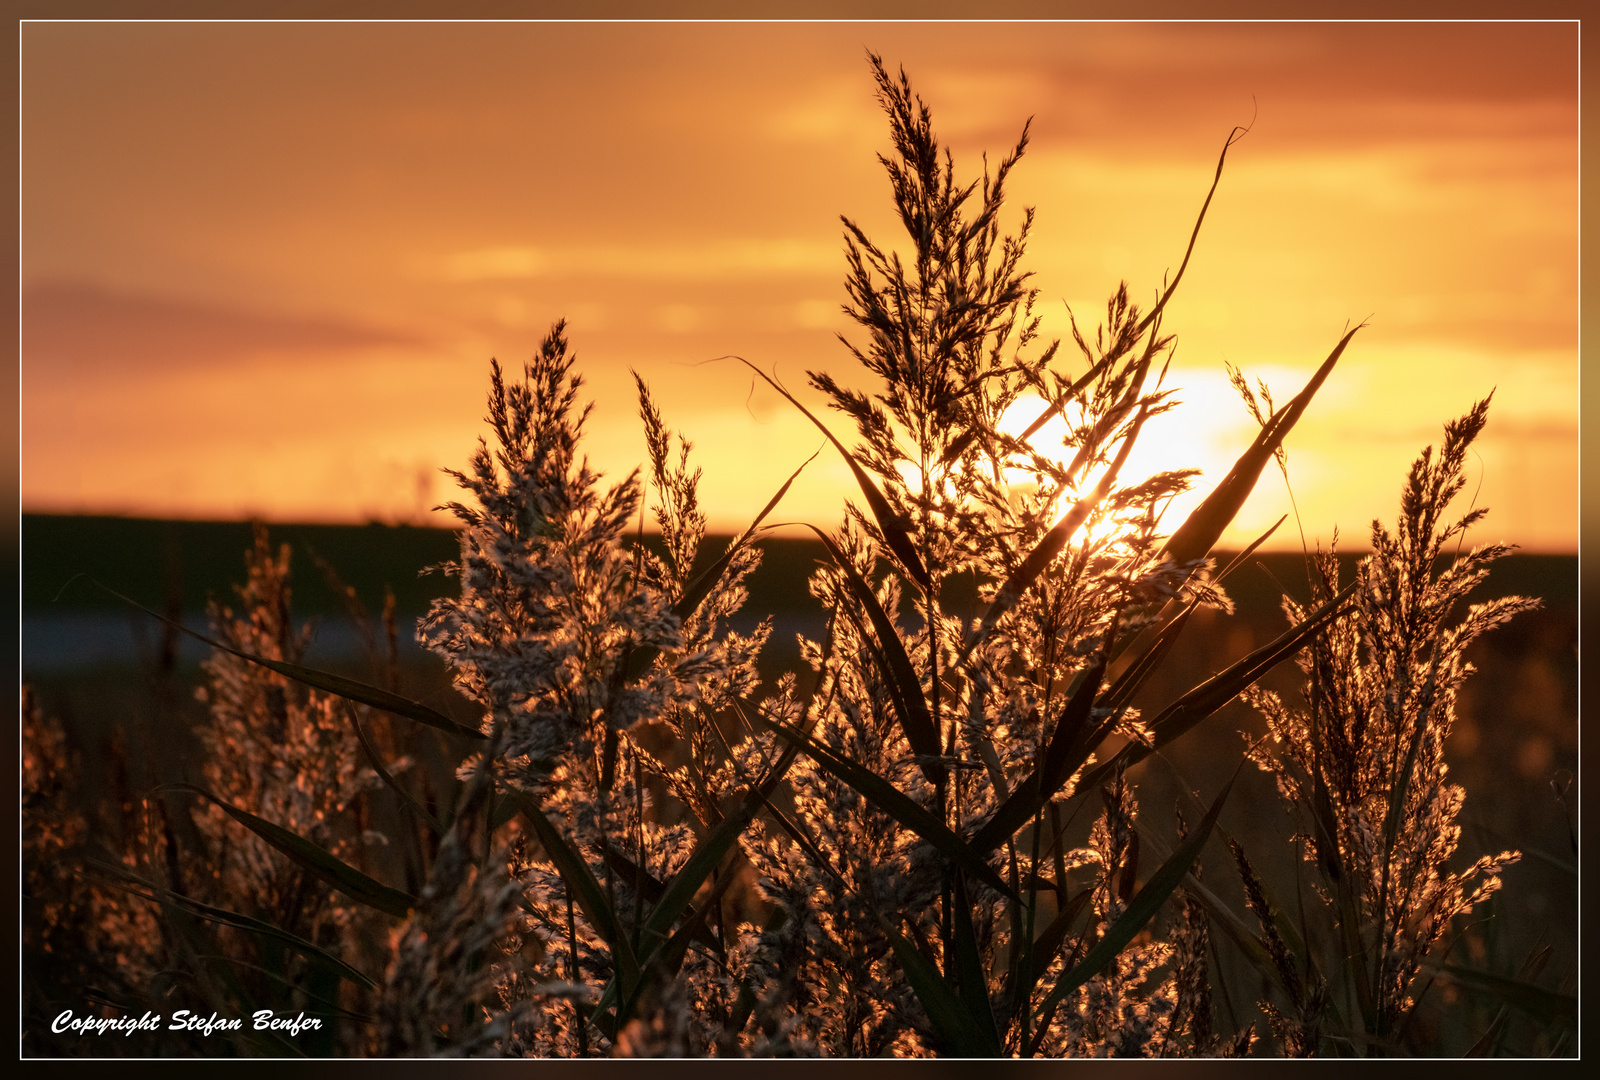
x,y
925,840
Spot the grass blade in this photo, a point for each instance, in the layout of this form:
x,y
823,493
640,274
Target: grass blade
x,y
130,882
1211,695
1149,660
198,950
1141,909
383,774
898,805
337,873
1236,930
703,860
1223,687
1142,656
1196,536
585,889
954,450
905,689
670,956
698,589
1550,1007
353,689
1077,388
710,851
1138,658
1047,944
1239,559
1155,313
1059,763
1489,1042
955,1025
651,888
972,982
894,534
1233,136
639,660
1059,760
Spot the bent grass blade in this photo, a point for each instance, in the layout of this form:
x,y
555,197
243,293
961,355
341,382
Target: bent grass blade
x,y
905,690
376,762
894,534
129,882
898,805
331,869
353,689
1141,909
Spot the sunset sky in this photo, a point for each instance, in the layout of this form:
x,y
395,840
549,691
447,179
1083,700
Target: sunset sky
x,y
264,265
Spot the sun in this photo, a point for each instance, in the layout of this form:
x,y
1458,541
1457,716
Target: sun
x,y
1051,441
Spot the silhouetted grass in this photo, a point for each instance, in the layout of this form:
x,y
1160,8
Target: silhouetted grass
x,y
962,777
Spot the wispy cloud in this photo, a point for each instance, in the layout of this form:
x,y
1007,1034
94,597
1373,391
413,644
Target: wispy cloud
x,y
724,259
97,331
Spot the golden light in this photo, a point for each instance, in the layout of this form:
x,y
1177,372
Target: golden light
x,y
273,286
1050,442
1207,430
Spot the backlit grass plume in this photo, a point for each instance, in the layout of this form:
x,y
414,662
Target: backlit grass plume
x,y
1362,760
276,749
549,594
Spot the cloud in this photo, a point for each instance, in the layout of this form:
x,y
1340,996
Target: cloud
x,y
95,331
722,259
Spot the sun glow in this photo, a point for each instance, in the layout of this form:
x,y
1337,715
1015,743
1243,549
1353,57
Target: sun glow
x,y
1051,442
196,323
1205,432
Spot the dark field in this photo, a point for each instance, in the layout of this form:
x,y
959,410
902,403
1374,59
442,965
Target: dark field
x,y
122,687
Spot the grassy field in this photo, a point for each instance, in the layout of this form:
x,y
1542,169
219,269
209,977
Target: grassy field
x,y
128,708
147,559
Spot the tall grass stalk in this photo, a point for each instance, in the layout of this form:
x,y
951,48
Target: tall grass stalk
x,y
1361,761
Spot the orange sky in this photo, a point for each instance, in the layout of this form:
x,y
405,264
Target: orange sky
x,y
264,265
